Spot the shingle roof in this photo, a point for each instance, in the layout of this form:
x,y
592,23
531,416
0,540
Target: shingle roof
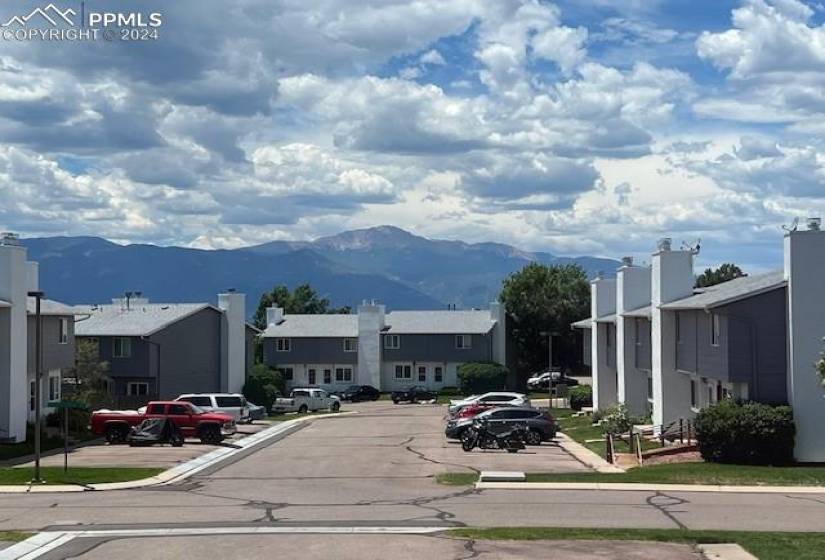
x,y
610,318
639,312
731,291
583,324
142,319
311,326
439,322
397,322
48,307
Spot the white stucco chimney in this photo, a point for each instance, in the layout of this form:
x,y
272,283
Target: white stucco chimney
x,y
632,292
371,322
805,273
233,341
13,333
671,279
274,315
32,276
603,302
499,314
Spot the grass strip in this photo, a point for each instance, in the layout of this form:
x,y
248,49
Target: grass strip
x,y
764,545
13,536
76,475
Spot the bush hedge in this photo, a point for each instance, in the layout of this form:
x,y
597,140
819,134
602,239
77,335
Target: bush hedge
x,y
581,396
263,386
746,433
481,377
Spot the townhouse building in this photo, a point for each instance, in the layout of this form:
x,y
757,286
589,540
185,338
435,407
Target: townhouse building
x,y
18,347
160,350
386,350
666,348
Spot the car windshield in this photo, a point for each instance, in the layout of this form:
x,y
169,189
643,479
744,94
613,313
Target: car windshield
x,y
353,388
196,409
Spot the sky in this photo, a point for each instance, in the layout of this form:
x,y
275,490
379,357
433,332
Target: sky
x,y
574,127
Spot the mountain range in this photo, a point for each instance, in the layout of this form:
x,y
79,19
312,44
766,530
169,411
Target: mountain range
x,y
384,263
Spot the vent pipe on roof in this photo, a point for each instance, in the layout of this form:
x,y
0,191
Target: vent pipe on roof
x,y
9,238
627,261
664,244
814,224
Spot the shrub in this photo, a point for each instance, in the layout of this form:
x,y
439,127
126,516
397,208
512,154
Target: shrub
x,y
581,396
78,420
263,385
617,419
746,433
481,377
449,392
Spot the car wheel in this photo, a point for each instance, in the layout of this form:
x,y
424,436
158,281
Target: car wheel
x,y
512,451
395,401
176,440
303,409
532,437
115,434
336,406
211,435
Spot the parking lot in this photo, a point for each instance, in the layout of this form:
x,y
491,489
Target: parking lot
x,y
99,454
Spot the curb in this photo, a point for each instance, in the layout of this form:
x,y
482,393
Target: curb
x,y
642,487
184,470
585,456
725,552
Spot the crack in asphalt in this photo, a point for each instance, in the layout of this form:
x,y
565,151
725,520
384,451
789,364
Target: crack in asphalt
x,y
662,507
806,498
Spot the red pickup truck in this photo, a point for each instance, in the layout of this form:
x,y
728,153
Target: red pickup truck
x,y
210,427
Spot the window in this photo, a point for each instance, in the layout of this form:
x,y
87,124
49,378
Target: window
x,y
229,402
637,327
693,394
439,374
286,372
678,328
156,409
199,401
179,409
710,394
54,387
63,336
311,376
282,345
650,387
343,374
463,341
137,388
715,329
350,345
608,336
121,347
327,376
403,372
422,374
392,342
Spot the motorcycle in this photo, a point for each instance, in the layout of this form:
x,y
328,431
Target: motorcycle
x,y
479,435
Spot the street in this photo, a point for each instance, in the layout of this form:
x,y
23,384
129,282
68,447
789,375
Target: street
x,y
376,469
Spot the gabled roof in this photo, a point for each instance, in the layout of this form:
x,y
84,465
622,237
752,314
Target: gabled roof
x,y
143,319
439,322
639,312
48,307
730,291
4,303
583,324
315,326
610,318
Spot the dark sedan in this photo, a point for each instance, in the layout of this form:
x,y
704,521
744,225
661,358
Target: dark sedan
x,y
540,425
413,394
357,393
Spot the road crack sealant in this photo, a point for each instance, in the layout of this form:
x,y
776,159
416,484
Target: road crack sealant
x,y
658,500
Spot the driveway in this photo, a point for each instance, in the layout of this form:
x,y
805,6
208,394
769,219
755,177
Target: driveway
x,y
161,456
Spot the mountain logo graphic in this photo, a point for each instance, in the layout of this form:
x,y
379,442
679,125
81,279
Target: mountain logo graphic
x,y
50,13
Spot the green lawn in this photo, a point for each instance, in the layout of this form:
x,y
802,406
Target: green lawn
x,y
13,536
77,475
14,450
581,429
763,545
457,478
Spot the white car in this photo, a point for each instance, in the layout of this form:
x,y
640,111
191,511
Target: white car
x,y
233,404
490,399
305,400
539,378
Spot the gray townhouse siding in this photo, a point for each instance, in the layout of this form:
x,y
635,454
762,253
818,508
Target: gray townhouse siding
x,y
751,345
310,350
183,357
56,356
438,348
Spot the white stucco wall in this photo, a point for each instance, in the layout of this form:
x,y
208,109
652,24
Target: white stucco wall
x,y
233,341
632,292
370,323
13,343
602,302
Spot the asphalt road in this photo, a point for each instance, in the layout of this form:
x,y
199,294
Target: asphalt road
x,y
376,469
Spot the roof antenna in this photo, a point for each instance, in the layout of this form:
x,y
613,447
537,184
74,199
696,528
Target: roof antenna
x,y
693,248
793,227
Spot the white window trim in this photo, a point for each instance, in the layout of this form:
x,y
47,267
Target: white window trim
x,y
131,384
466,342
128,344
405,369
354,345
55,375
283,344
715,335
392,337
63,332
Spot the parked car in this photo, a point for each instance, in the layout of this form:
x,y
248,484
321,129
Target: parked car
x,y
489,399
413,394
256,412
540,425
210,427
472,410
550,380
305,400
233,404
357,393
535,380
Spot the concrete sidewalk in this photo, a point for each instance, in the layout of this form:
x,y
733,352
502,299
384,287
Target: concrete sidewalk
x,y
644,487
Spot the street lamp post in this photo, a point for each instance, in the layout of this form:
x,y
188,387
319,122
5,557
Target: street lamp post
x,y
38,375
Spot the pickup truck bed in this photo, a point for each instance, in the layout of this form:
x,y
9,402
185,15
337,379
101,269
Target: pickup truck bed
x,y
209,427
